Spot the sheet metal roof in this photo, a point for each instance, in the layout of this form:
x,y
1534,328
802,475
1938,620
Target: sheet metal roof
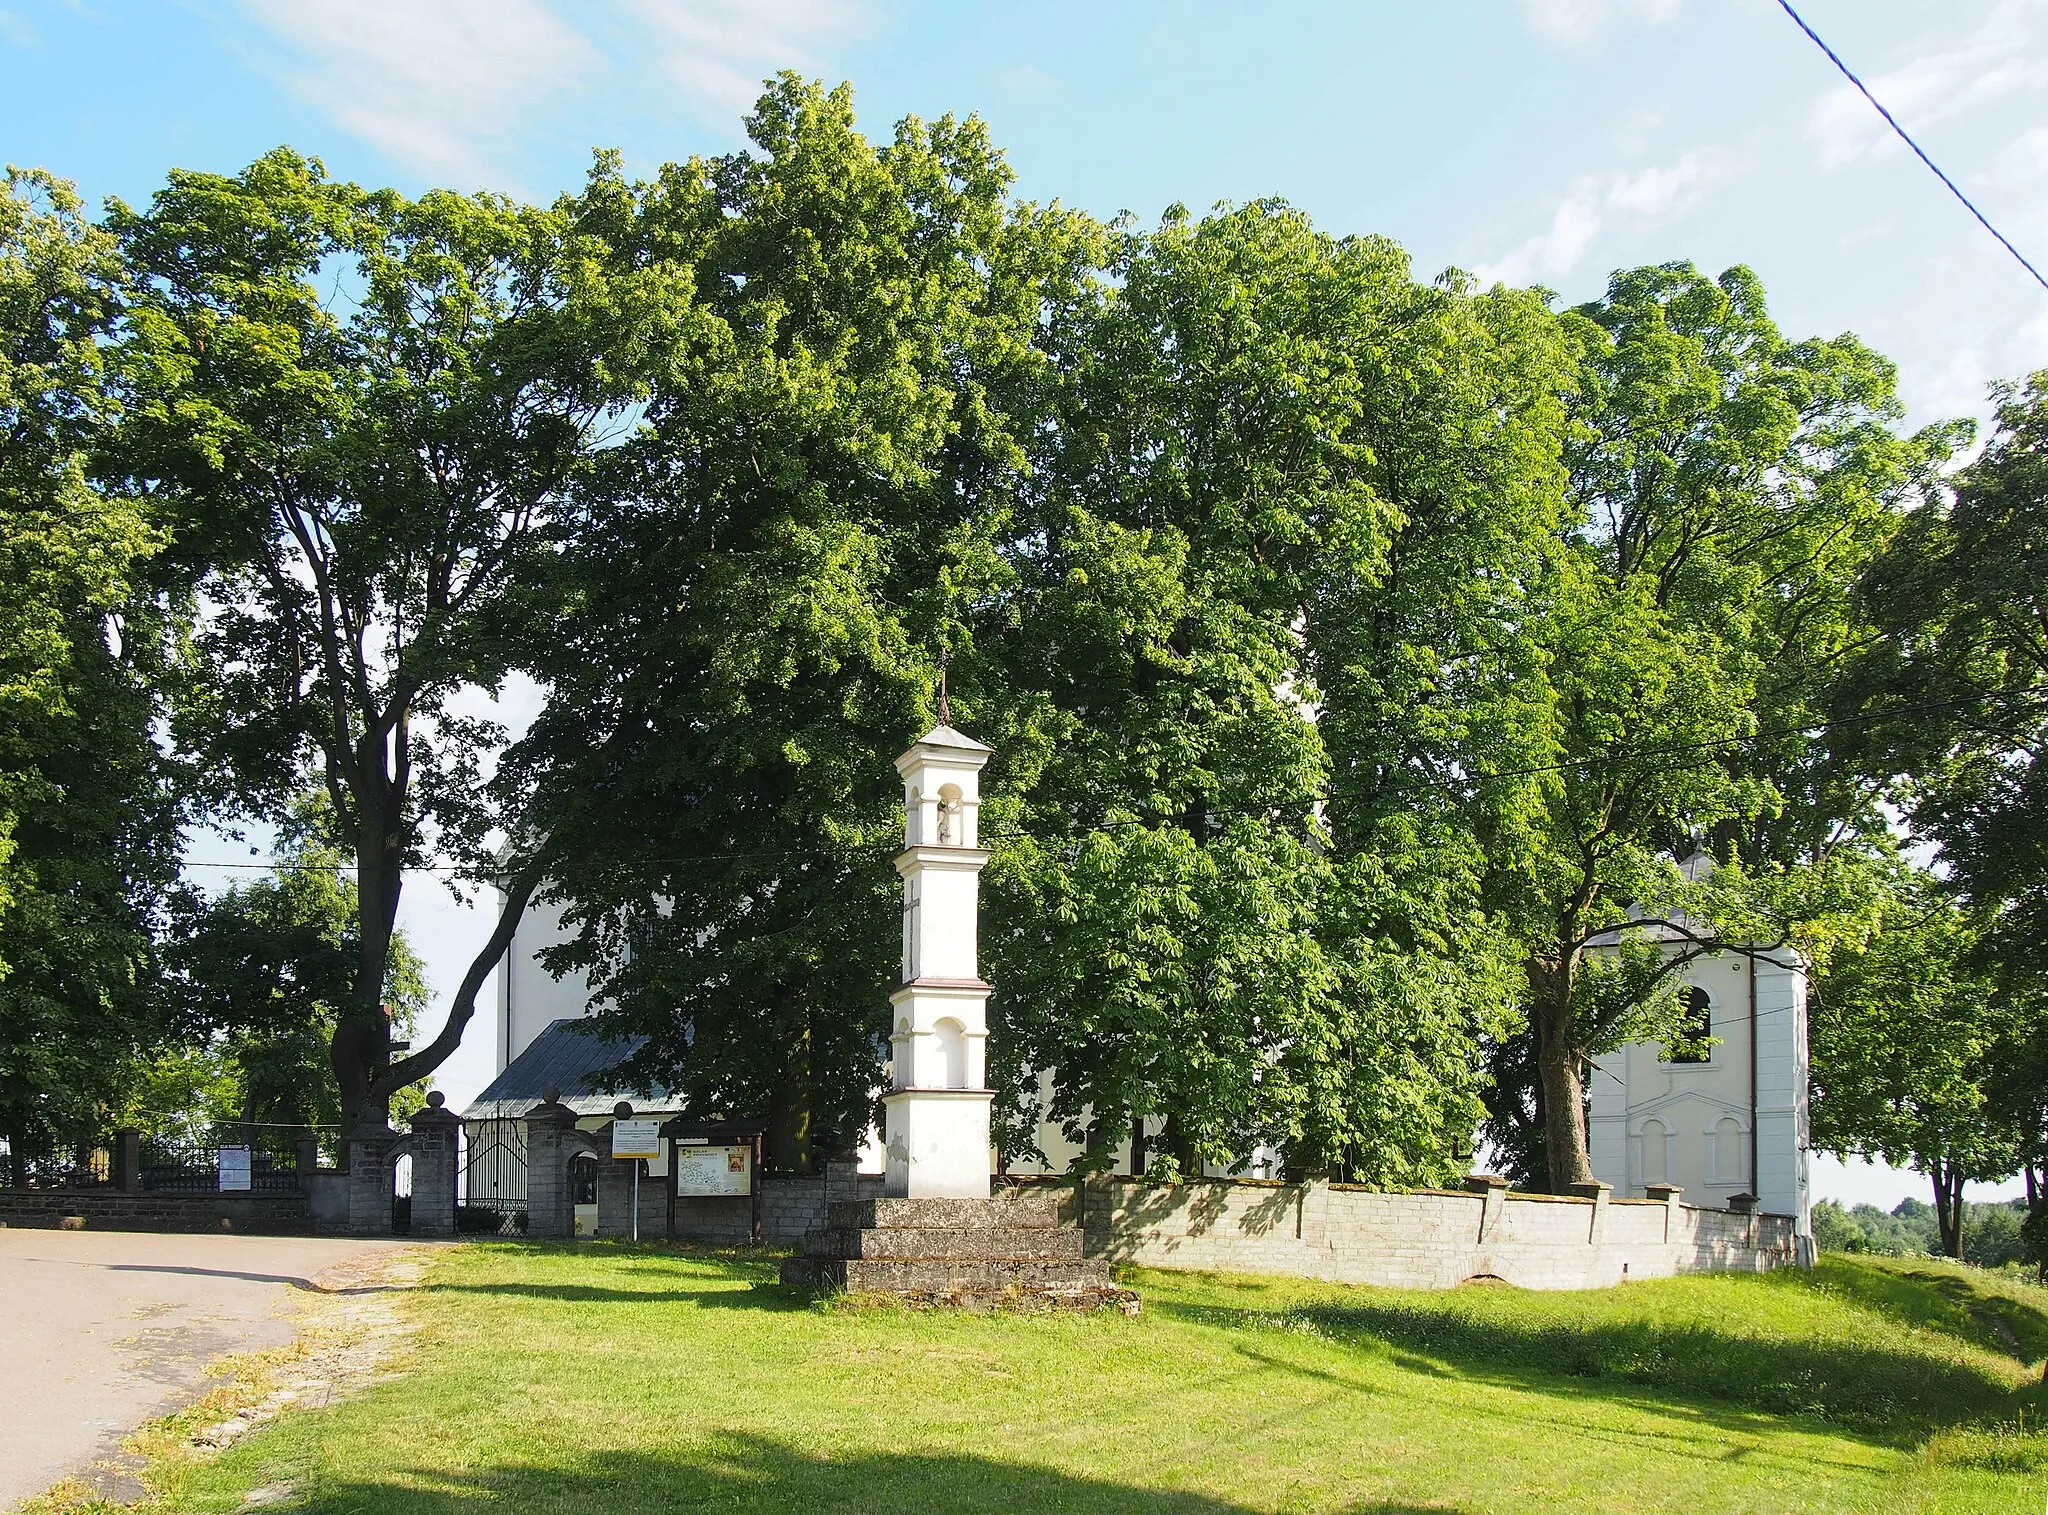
x,y
572,1057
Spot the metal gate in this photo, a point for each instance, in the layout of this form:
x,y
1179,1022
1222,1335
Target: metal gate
x,y
494,1169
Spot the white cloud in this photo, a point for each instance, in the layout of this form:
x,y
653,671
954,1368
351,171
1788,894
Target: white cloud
x,y
1580,23
1993,61
17,31
1592,202
440,85
719,51
429,82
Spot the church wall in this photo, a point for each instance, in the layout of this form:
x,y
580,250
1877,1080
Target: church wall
x,y
1700,1115
530,999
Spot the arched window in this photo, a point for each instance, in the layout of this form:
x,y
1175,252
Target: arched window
x,y
1655,1169
1697,1025
952,1037
1728,1150
949,816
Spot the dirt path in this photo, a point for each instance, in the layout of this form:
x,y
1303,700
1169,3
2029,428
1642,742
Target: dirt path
x,y
101,1331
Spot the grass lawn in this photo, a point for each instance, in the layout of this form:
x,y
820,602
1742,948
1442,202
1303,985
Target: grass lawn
x,y
634,1380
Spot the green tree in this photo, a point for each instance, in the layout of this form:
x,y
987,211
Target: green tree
x,y
88,807
1904,1038
261,974
1279,472
1952,696
1727,487
367,414
761,585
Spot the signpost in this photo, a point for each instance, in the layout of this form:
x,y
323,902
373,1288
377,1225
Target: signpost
x,y
634,1139
233,1170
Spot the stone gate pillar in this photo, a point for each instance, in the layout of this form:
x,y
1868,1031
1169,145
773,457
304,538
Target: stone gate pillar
x,y
436,1144
126,1171
551,1140
369,1179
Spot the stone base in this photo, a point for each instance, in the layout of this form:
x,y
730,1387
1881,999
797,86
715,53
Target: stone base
x,y
953,1251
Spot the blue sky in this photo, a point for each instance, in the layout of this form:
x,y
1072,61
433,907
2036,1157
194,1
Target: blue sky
x,y
1537,141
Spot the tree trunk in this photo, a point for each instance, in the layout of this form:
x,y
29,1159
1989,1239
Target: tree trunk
x,y
2034,1224
1561,1091
1178,1145
1948,1206
1564,1117
361,1048
789,1105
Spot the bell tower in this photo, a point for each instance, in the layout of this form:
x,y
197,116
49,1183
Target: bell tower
x,y
937,1122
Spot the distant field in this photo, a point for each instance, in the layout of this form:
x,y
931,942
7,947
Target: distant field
x,y
634,1381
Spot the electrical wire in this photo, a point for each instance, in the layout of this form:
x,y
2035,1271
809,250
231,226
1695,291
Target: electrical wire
x,y
1919,152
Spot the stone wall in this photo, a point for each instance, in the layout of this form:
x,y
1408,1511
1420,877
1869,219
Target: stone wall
x,y
1422,1239
789,1208
115,1210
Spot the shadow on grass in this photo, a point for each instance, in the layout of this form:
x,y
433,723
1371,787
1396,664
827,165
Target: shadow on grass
x,y
743,1474
761,1295
1935,1299
1897,1395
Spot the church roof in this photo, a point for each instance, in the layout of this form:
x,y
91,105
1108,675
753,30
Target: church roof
x,y
572,1057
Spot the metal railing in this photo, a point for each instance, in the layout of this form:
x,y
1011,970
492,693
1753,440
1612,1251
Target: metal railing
x,y
194,1167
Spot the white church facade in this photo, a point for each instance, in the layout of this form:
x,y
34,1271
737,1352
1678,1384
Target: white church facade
x,y
1723,1116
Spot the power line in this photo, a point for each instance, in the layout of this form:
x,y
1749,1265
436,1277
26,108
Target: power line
x,y
1918,151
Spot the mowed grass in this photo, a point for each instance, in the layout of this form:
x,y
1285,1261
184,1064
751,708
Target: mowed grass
x,y
631,1381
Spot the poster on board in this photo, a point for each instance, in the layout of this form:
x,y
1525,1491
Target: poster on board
x,y
636,1138
233,1169
706,1172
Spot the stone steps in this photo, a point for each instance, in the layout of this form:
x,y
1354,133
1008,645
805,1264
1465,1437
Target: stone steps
x,y
1003,1250
945,1275
1032,1212
986,1243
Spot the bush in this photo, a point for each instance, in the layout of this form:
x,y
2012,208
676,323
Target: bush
x,y
1836,1230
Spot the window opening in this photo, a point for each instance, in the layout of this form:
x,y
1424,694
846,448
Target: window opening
x,y
1696,1026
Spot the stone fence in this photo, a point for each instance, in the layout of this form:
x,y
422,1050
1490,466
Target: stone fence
x,y
1419,1239
1423,1239
1416,1239
104,1208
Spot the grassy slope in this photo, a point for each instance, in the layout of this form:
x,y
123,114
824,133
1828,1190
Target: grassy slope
x,y
629,1381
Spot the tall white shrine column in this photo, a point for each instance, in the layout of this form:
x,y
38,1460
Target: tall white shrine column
x,y
937,1124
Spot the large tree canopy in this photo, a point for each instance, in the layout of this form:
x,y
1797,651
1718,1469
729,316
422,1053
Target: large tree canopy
x,y
1951,693
366,414
1361,653
1284,504
1728,485
761,585
88,813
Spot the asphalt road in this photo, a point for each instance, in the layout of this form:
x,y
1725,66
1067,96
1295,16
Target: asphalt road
x,y
102,1330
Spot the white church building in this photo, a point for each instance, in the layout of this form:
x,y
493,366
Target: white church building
x,y
1724,1116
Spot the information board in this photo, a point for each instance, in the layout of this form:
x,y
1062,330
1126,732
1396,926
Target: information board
x,y
636,1138
234,1169
709,1171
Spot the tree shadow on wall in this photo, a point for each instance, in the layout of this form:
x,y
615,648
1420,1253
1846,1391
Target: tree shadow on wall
x,y
751,1474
